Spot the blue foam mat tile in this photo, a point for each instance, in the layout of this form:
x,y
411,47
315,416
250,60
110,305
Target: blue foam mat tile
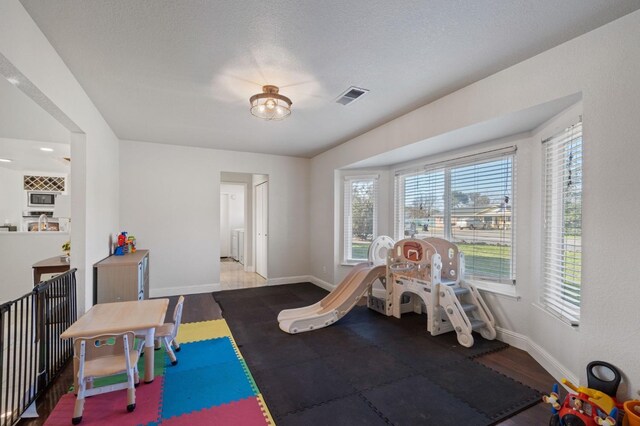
x,y
206,387
203,353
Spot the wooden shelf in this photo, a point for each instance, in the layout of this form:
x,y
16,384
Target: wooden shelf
x,y
122,278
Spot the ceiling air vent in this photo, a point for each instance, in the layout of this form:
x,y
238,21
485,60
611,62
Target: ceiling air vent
x,y
350,95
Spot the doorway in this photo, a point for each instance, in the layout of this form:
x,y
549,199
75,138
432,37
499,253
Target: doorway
x,y
238,232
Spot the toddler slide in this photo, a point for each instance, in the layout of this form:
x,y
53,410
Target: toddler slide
x,y
336,304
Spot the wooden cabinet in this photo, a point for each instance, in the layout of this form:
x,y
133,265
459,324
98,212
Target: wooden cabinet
x,y
121,278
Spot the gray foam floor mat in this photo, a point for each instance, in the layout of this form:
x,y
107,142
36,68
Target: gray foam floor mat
x,y
366,368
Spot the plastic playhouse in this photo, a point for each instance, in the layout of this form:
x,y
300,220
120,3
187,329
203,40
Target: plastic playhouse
x,y
421,276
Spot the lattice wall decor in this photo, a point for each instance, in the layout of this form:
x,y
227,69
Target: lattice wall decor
x,y
44,183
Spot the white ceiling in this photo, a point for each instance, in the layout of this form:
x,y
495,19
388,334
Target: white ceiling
x,y
26,156
181,72
22,118
25,128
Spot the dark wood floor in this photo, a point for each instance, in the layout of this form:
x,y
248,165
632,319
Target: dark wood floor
x,y
511,362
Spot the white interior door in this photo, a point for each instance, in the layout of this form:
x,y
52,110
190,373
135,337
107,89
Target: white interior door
x,y
225,232
262,229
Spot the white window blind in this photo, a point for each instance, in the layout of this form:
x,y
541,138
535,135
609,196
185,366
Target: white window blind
x,y
420,206
562,257
466,200
360,216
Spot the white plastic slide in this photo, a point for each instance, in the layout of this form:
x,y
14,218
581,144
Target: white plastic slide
x,y
336,304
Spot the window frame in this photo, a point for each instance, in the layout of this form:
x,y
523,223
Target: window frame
x,y
347,196
445,166
549,302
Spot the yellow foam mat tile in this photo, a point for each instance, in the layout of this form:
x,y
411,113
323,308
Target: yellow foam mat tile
x,y
265,410
204,330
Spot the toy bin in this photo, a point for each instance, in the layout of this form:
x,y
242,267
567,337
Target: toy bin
x,y
632,417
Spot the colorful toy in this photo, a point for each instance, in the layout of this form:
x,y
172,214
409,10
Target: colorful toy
x,y
553,399
122,247
131,243
589,406
632,413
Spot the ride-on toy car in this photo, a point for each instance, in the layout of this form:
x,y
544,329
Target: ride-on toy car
x,y
589,406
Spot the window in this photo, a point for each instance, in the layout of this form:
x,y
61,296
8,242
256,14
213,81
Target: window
x,y
562,239
360,216
468,201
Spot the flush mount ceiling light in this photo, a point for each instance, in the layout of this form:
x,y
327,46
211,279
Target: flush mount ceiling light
x,y
5,160
46,149
270,105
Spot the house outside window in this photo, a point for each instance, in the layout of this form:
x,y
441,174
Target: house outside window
x,y
469,201
360,216
562,234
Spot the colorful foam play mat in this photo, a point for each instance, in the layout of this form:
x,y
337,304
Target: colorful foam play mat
x,y
210,385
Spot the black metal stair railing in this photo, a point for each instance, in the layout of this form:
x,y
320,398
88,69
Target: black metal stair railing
x,y
32,354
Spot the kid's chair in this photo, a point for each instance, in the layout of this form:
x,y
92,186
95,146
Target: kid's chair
x,y
101,356
167,333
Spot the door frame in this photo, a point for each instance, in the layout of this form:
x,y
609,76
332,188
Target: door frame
x,y
265,211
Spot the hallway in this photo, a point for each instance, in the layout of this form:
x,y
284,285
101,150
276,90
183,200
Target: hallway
x,y
233,276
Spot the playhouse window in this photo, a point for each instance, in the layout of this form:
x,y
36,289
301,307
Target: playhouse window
x,y
562,234
468,201
360,216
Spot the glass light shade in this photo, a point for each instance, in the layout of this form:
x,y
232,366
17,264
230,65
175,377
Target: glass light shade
x,y
270,105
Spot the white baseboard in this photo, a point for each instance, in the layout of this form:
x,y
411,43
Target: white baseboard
x,y
377,292
289,280
516,340
177,291
321,283
537,352
552,365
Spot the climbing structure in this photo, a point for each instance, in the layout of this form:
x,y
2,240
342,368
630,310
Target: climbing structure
x,y
429,275
421,276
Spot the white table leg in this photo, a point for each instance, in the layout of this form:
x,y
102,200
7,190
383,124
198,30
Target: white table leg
x,y
149,355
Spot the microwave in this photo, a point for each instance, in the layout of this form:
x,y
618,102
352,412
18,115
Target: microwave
x,y
41,199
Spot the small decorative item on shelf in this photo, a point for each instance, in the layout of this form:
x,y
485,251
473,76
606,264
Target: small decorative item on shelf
x,y
121,246
66,248
131,242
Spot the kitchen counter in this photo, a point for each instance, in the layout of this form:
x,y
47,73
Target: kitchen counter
x,y
51,265
34,233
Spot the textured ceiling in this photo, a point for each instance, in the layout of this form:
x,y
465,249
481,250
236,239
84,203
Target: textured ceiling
x,y
181,72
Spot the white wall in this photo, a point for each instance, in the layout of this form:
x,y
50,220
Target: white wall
x,y
169,202
94,173
18,252
604,66
11,196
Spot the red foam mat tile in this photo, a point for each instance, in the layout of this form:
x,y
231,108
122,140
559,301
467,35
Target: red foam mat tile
x,y
246,412
111,408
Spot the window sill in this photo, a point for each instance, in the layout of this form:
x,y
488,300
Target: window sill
x,y
563,320
505,290
352,262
